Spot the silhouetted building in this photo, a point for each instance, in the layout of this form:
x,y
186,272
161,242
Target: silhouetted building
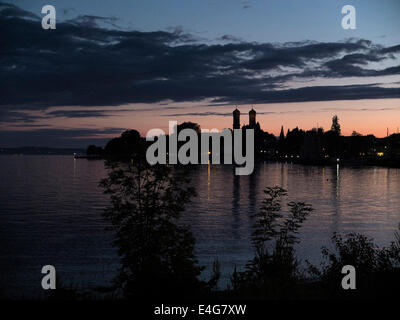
x,y
236,119
252,118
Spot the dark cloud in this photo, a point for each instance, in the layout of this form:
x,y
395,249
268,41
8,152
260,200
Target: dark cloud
x,y
17,116
229,114
320,93
30,125
229,38
84,63
90,113
392,49
225,114
10,10
90,21
77,113
201,114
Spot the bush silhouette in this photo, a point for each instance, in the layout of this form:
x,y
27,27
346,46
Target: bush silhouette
x,y
274,270
156,250
377,269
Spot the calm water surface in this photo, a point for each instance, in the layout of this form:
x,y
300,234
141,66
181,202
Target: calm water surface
x,y
51,206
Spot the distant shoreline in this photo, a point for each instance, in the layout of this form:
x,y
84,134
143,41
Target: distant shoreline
x,y
41,151
81,154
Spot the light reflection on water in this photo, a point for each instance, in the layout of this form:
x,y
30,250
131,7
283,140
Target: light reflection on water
x,y
50,213
345,200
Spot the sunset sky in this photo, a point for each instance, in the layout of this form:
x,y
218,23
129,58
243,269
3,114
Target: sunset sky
x,y
116,65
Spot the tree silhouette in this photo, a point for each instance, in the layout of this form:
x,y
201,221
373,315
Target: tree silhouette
x,y
156,250
127,146
282,135
94,150
335,125
274,269
189,125
356,134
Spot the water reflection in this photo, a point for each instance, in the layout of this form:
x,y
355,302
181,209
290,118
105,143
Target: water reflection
x,y
208,179
51,213
341,205
252,191
236,205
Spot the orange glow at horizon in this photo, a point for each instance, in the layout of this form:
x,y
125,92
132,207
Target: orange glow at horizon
x,y
369,116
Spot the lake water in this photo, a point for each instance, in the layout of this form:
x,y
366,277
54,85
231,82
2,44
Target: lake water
x,y
51,206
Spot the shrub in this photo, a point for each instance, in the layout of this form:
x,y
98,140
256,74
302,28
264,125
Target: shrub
x,y
156,250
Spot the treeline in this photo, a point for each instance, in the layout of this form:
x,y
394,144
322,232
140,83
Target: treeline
x,y
314,146
125,146
318,146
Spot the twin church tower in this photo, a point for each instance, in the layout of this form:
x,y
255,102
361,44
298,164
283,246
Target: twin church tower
x,y
236,118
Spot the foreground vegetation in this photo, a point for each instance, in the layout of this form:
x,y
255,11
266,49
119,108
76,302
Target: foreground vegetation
x,y
276,273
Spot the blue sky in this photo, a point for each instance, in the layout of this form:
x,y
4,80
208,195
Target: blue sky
x,y
261,20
